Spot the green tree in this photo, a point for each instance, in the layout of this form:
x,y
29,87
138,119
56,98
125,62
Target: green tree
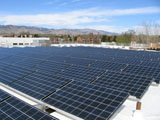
x,y
75,38
125,39
104,38
69,37
35,35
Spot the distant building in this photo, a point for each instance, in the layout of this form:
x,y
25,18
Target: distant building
x,y
22,42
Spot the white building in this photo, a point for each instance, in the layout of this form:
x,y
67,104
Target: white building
x,y
22,42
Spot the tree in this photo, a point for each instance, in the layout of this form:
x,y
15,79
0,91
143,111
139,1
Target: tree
x,y
124,38
35,35
75,38
104,38
69,37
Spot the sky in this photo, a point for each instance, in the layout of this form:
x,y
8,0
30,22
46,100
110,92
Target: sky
x,y
109,15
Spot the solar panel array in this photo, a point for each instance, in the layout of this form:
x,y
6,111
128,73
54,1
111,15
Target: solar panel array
x,y
12,108
82,73
87,101
87,82
13,73
40,85
135,85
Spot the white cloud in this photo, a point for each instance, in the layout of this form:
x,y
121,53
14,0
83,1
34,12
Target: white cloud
x,y
75,18
49,19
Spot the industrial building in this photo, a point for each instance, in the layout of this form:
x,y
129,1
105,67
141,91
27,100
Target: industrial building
x,y
22,42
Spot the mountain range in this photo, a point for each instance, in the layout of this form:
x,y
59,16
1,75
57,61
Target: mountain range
x,y
7,29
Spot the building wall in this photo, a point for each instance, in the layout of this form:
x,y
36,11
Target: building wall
x,y
21,42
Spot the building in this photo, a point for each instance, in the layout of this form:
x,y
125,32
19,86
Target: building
x,y
22,42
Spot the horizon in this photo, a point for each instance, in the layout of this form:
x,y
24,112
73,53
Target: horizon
x,y
112,16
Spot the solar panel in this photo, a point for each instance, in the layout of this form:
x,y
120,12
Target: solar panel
x,y
35,55
40,85
144,71
3,55
52,67
3,65
58,58
12,59
80,61
13,73
109,65
126,61
82,73
153,64
3,95
87,101
135,85
15,109
29,63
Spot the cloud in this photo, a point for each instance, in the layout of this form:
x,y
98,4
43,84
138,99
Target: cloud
x,y
76,18
49,19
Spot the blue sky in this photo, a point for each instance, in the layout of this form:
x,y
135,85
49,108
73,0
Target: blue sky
x,y
109,15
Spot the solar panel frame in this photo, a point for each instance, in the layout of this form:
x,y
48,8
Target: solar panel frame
x,y
13,108
39,85
3,95
12,59
144,71
82,73
109,65
52,67
135,85
87,101
29,63
13,73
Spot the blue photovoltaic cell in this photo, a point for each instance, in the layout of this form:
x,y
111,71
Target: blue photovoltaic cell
x,y
15,109
40,85
109,65
135,85
82,73
29,63
58,58
52,67
3,95
12,59
3,66
153,64
144,71
80,61
87,101
40,71
13,73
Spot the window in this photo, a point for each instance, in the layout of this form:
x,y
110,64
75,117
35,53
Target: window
x,y
15,44
26,43
20,43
